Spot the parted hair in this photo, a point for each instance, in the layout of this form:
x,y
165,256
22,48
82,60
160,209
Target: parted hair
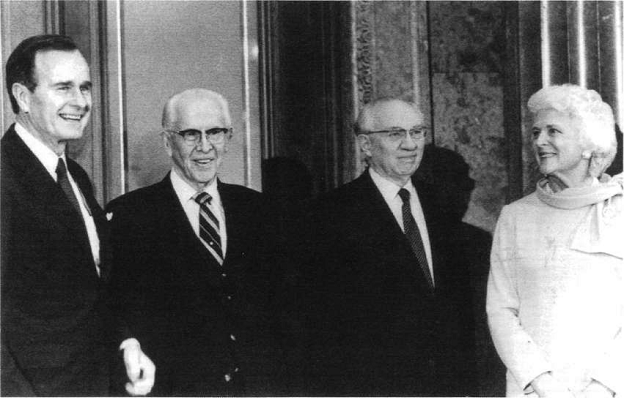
x,y
20,67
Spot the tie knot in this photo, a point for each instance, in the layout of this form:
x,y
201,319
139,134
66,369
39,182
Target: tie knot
x,y
61,170
203,198
404,194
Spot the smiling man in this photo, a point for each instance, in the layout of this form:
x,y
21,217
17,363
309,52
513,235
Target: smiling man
x,y
55,261
192,262
53,265
387,304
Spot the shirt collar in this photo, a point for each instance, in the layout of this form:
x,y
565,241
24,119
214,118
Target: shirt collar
x,y
186,192
46,156
389,190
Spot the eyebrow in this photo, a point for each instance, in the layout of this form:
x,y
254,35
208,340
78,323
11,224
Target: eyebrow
x,y
86,84
549,126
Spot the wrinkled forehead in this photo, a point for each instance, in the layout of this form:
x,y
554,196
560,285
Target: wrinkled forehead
x,y
392,114
199,113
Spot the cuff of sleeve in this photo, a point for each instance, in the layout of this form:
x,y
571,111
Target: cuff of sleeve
x,y
612,384
526,383
129,342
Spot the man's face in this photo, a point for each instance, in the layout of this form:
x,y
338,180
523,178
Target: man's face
x,y
60,106
197,163
392,159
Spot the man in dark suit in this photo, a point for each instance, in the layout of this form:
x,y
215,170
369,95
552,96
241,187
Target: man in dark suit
x,y
54,262
52,267
387,298
192,275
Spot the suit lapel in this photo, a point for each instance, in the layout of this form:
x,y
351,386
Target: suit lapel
x,y
379,207
425,187
384,220
37,186
233,213
176,222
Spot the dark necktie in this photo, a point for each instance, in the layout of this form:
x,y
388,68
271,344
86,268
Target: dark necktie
x,y
63,181
413,235
209,227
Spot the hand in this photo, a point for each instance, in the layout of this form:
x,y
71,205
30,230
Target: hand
x,y
595,389
140,369
545,385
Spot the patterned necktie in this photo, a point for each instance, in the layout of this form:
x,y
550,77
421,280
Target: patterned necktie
x,y
63,181
413,235
209,227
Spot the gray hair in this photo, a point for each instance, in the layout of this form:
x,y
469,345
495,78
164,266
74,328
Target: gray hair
x,y
596,122
169,115
368,111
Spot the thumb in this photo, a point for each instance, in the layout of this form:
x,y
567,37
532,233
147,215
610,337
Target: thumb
x,y
131,360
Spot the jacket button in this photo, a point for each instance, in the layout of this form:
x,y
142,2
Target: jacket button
x,y
227,377
232,337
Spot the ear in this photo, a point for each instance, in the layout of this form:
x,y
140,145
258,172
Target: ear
x,y
364,141
167,143
597,165
22,95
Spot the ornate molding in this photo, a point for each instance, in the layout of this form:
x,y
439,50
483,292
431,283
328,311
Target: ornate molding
x,y
364,48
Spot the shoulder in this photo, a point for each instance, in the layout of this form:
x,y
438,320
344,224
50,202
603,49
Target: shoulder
x,y
139,198
523,204
238,190
359,189
527,207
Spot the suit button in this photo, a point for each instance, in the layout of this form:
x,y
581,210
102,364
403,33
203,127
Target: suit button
x,y
229,297
232,337
224,274
227,377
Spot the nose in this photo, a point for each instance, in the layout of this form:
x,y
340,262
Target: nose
x,y
540,138
409,142
81,99
204,144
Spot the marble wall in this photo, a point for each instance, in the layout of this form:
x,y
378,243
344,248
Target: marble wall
x,y
467,42
448,57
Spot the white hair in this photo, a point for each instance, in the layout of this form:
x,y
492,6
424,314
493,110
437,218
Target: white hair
x,y
596,124
169,111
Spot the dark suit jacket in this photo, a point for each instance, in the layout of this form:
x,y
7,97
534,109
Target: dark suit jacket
x,y
374,326
52,320
201,323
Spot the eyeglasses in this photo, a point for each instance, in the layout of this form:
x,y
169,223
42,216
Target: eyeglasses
x,y
396,135
193,136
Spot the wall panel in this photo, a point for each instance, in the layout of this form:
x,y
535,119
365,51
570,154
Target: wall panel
x,y
169,46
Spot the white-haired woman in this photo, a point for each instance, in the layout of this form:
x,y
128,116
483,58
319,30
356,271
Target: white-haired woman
x,y
555,299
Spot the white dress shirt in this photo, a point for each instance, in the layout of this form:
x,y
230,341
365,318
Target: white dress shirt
x,y
186,193
390,192
50,160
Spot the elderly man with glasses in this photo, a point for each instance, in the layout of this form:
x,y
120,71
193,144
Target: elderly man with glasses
x,y
192,262
387,303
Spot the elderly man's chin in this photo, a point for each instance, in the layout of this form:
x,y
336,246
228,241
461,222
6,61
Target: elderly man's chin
x,y
408,165
203,176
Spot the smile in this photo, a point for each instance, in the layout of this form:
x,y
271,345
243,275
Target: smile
x,y
203,162
67,116
546,154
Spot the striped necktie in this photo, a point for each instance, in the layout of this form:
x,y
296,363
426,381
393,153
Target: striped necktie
x,y
209,227
413,235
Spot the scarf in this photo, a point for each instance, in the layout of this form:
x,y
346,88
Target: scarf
x,y
601,230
